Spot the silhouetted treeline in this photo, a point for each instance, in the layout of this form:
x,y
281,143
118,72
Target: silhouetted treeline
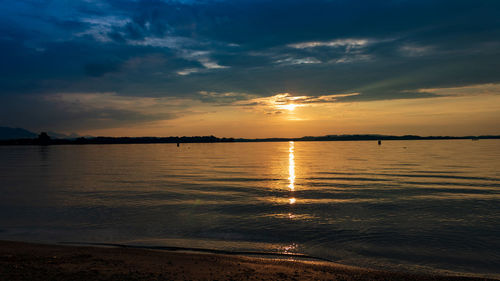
x,y
44,139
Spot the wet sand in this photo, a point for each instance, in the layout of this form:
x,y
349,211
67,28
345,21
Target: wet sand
x,y
28,261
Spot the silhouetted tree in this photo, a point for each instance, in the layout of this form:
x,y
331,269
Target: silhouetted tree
x,y
43,138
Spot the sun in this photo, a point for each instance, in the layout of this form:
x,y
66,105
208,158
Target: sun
x,y
289,107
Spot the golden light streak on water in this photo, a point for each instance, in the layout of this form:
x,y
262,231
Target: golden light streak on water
x,y
291,170
291,166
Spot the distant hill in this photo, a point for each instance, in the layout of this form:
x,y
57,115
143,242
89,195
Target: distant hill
x,y
7,133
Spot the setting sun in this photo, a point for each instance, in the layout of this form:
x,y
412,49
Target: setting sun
x,y
289,107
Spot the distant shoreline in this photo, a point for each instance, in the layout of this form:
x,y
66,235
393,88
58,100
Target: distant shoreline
x,y
30,261
213,139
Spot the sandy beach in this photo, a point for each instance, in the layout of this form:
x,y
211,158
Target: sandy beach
x,y
29,261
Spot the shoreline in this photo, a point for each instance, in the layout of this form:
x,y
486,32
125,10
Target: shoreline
x,y
32,261
212,139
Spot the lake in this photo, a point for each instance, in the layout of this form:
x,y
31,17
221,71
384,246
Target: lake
x,y
404,205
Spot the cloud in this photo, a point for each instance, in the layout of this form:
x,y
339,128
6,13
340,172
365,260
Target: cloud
x,y
470,90
415,50
227,98
285,101
84,111
345,43
291,60
101,27
183,48
202,57
188,71
100,68
172,42
351,58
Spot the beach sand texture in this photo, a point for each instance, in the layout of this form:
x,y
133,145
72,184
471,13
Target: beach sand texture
x,y
28,261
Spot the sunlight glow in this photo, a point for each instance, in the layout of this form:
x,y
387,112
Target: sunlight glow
x,y
290,107
291,166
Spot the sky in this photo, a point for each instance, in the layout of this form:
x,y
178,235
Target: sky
x,y
236,68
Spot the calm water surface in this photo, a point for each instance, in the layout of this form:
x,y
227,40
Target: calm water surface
x,y
404,205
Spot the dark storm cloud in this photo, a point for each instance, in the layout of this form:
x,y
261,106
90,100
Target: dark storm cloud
x,y
52,113
101,68
379,49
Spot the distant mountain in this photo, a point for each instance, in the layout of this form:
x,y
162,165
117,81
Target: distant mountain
x,y
7,133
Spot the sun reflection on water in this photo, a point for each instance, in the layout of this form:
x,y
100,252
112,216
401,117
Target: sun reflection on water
x,y
291,166
289,249
291,171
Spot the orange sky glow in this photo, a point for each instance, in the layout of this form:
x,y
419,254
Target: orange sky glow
x,y
471,110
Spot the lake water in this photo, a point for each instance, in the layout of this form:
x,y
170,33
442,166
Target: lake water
x,y
404,205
